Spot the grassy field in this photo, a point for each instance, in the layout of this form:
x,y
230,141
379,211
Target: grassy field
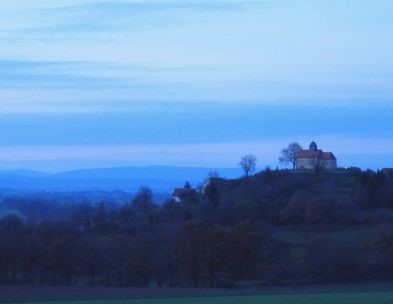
x,y
356,293
324,298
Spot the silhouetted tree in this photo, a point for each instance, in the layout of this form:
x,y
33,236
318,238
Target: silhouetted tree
x,y
216,252
143,200
212,193
290,154
319,166
193,244
248,163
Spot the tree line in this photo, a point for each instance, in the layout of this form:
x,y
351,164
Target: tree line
x,y
265,229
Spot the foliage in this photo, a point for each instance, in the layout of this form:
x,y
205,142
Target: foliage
x,y
276,227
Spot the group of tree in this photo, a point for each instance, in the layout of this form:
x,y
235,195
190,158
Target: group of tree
x,y
138,244
289,156
229,232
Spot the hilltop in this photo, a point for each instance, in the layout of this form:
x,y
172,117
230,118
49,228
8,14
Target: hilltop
x,y
273,195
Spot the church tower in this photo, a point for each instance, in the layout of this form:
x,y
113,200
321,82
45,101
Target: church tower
x,y
313,147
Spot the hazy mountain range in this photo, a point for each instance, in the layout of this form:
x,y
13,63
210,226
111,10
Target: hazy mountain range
x,y
159,178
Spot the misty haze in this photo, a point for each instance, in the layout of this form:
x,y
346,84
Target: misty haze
x,y
196,151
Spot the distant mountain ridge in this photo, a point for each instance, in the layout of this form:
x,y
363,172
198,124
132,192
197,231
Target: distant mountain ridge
x,y
25,173
159,178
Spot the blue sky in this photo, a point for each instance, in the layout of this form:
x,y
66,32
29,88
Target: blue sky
x,y
88,83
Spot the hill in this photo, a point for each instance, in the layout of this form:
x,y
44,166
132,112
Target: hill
x,y
159,178
277,227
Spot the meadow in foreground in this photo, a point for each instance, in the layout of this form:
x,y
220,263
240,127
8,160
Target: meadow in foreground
x,y
325,298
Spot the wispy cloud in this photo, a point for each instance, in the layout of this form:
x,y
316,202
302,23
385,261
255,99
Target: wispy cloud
x,y
54,75
81,75
33,86
113,18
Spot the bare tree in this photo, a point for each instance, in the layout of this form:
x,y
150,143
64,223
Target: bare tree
x,y
319,165
248,164
290,154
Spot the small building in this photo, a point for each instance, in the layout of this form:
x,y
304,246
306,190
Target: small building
x,y
187,193
315,158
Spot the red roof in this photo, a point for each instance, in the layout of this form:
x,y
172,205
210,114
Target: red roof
x,y
319,154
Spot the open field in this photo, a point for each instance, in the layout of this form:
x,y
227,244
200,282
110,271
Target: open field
x,y
367,293
329,298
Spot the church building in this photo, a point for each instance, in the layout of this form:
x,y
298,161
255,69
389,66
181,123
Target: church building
x,y
315,158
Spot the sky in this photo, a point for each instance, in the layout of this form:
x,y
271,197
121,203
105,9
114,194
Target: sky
x,y
89,83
